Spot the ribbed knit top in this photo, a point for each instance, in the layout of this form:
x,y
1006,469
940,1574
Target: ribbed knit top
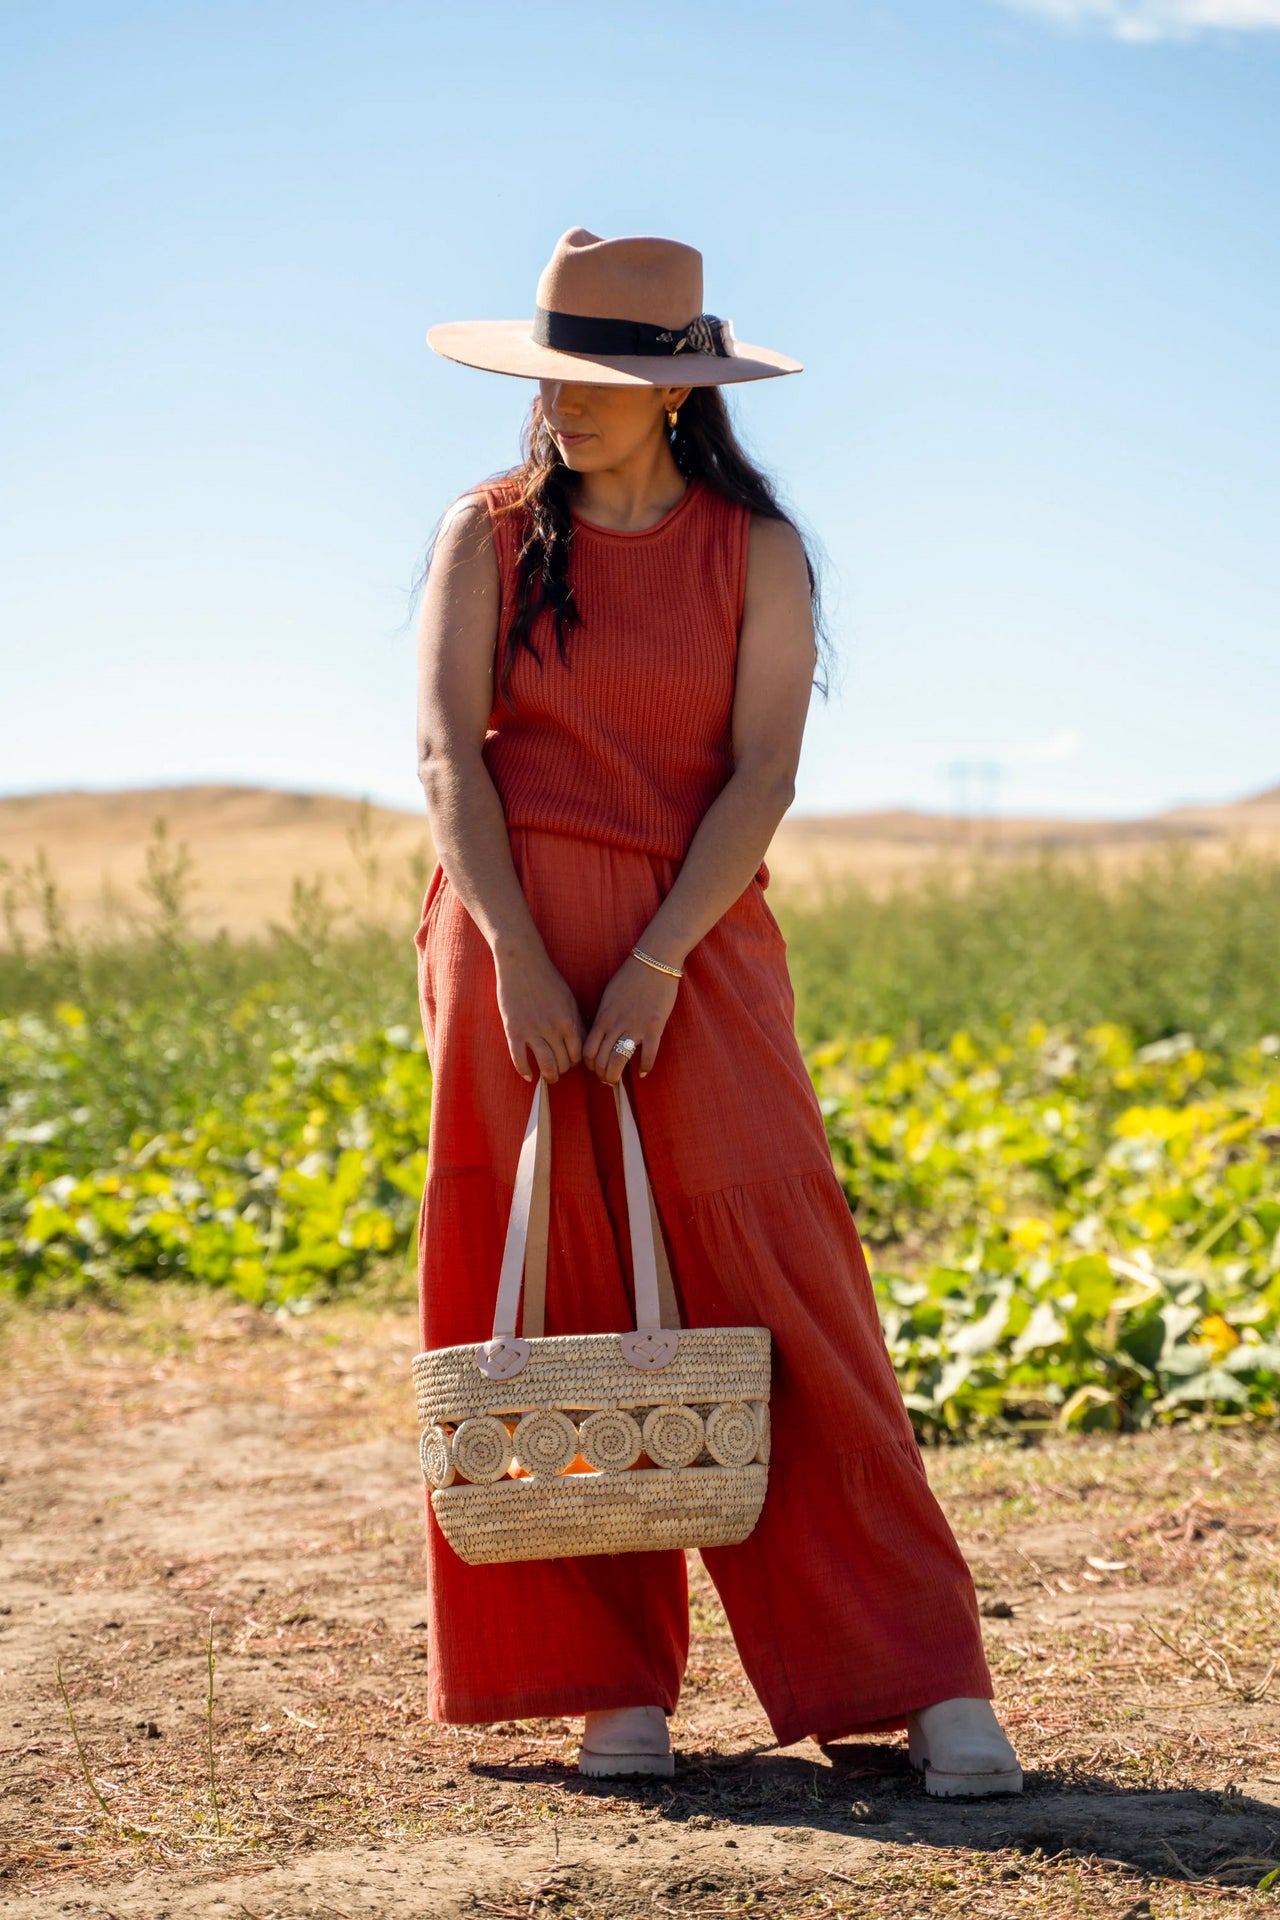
x,y
630,742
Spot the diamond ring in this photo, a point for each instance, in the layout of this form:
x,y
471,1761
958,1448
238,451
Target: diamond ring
x,y
626,1046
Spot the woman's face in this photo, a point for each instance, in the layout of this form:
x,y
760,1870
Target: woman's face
x,y
598,428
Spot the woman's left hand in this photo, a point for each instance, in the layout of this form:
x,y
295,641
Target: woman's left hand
x,y
637,1002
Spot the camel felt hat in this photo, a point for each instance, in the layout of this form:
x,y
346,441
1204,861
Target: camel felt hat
x,y
614,313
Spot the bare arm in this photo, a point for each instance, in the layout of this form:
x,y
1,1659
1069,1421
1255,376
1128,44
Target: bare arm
x,y
776,657
457,634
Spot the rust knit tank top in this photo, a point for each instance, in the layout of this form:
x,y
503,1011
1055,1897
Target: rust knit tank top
x,y
630,742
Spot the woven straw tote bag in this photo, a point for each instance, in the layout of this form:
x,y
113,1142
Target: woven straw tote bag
x,y
538,1447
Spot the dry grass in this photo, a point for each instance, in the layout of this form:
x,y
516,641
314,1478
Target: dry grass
x,y
249,844
191,1468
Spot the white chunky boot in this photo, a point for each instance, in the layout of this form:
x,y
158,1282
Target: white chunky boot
x,y
961,1748
626,1740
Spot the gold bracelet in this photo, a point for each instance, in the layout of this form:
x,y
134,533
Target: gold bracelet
x,y
638,953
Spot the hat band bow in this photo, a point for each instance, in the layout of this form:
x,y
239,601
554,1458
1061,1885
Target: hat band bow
x,y
584,333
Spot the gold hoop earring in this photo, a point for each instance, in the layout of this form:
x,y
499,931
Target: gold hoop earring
x,y
673,414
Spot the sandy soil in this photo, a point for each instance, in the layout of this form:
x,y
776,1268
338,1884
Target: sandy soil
x,y
201,1469
248,845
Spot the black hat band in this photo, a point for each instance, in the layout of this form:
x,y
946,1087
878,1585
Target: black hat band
x,y
581,333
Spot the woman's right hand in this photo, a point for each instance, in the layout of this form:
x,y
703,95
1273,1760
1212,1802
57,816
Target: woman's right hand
x,y
539,1013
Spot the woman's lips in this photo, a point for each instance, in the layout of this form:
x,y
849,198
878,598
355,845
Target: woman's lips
x,y
571,439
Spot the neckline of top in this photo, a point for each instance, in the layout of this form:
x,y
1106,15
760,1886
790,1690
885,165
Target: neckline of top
x,y
640,533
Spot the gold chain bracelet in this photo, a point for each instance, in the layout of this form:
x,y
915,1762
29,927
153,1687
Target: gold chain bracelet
x,y
638,953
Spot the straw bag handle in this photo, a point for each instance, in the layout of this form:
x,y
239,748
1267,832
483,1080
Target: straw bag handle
x,y
524,1255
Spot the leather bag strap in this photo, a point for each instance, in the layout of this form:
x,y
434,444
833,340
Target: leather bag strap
x,y
655,1294
535,1253
524,1253
507,1305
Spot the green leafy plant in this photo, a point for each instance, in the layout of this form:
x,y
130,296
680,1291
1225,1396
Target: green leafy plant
x,y
1071,1219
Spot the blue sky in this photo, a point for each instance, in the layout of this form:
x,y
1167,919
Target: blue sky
x,y
1029,251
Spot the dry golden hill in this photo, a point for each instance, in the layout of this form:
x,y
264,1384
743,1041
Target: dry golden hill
x,y
897,844
247,846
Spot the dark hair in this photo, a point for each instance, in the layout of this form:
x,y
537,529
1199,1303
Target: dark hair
x,y
704,447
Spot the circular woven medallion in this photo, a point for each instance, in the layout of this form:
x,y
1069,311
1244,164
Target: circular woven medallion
x,y
610,1442
673,1436
545,1442
482,1449
436,1456
732,1438
761,1410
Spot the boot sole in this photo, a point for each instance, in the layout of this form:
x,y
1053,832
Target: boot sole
x,y
970,1786
605,1766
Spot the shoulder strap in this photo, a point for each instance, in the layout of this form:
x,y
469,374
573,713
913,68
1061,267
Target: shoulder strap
x,y
507,524
739,549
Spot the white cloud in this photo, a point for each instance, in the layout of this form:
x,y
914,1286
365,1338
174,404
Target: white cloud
x,y
1039,753
1157,19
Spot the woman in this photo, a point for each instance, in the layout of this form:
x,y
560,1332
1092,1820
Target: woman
x,y
617,653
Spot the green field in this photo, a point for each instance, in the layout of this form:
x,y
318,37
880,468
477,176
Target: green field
x,y
1053,1101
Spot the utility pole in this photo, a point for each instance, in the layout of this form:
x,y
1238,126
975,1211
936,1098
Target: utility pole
x,y
975,791
959,774
991,774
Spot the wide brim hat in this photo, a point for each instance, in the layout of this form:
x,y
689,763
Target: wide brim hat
x,y
614,313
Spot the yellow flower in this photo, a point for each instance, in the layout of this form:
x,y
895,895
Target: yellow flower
x,y
1030,1235
1221,1337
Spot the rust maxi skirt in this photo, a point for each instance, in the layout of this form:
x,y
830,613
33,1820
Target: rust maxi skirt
x,y
850,1602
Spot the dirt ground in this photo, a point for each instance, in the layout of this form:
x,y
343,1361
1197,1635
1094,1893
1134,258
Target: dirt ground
x,y
198,1470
